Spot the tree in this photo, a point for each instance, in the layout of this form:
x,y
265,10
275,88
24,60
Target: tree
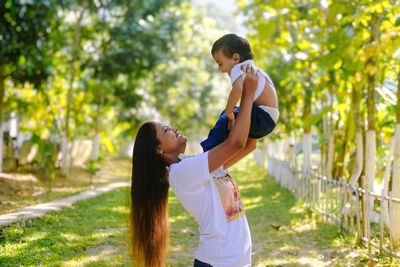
x,y
186,88
25,51
120,45
395,212
355,43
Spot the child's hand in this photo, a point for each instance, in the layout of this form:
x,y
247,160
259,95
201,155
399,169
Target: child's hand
x,y
231,120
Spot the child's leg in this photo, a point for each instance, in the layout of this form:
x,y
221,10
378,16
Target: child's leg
x,y
251,144
216,135
219,133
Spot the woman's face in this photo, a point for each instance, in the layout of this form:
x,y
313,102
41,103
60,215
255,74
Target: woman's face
x,y
171,141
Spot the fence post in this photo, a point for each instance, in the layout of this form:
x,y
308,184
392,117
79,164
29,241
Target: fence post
x,y
359,232
390,224
334,199
364,216
345,206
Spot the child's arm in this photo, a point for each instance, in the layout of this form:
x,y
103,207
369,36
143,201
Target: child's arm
x,y
234,96
251,144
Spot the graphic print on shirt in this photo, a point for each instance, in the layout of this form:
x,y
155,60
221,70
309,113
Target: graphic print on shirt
x,y
230,197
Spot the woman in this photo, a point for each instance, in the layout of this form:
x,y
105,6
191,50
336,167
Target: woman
x,y
201,185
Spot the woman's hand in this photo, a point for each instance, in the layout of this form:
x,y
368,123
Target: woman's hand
x,y
250,81
231,120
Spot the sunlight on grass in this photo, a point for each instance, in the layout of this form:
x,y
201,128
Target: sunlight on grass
x,y
250,186
182,217
91,232
95,232
252,203
68,236
81,261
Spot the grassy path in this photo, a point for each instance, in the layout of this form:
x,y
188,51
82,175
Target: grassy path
x,y
94,232
91,233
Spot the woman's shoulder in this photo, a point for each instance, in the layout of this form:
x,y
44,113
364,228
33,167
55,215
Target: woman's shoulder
x,y
190,163
189,171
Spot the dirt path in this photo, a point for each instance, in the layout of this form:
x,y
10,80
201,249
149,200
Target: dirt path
x,y
18,190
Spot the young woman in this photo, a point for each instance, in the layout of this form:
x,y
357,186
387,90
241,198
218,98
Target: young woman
x,y
200,183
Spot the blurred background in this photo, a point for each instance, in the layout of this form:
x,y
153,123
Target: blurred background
x,y
77,78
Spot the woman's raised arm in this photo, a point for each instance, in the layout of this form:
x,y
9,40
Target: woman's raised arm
x,y
237,138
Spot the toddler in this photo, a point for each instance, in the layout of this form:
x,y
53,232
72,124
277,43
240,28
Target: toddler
x,y
233,53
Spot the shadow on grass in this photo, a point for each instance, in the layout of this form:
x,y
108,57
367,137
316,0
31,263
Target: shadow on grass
x,y
69,235
283,232
94,232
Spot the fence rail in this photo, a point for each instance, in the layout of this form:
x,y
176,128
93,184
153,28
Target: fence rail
x,y
340,202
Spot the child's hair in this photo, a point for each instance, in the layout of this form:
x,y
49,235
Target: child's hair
x,y
232,43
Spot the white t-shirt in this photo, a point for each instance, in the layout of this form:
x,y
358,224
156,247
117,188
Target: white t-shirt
x,y
214,202
236,72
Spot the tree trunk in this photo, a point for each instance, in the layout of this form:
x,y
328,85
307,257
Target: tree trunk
x,y
96,140
395,211
307,149
324,147
331,127
370,152
338,172
75,56
2,88
370,160
385,186
331,152
359,153
307,143
358,165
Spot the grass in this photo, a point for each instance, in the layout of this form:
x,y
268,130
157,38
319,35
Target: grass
x,y
94,232
18,190
91,233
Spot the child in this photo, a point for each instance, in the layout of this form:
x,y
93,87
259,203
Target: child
x,y
233,53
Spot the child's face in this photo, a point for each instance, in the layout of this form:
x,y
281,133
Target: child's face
x,y
225,63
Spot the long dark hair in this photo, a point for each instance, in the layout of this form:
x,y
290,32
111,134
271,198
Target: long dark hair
x,y
149,200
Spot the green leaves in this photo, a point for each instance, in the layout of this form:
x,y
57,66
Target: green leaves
x,y
314,119
24,38
328,48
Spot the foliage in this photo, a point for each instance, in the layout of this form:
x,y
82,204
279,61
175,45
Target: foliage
x,y
47,158
325,47
185,88
92,167
25,38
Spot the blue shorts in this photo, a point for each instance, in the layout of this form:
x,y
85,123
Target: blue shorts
x,y
261,125
198,263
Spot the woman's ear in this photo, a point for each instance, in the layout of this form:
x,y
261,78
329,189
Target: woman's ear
x,y
236,57
159,151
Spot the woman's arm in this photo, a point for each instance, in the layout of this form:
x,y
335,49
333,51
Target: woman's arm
x,y
238,136
250,146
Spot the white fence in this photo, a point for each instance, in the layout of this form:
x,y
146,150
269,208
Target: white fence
x,y
339,202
